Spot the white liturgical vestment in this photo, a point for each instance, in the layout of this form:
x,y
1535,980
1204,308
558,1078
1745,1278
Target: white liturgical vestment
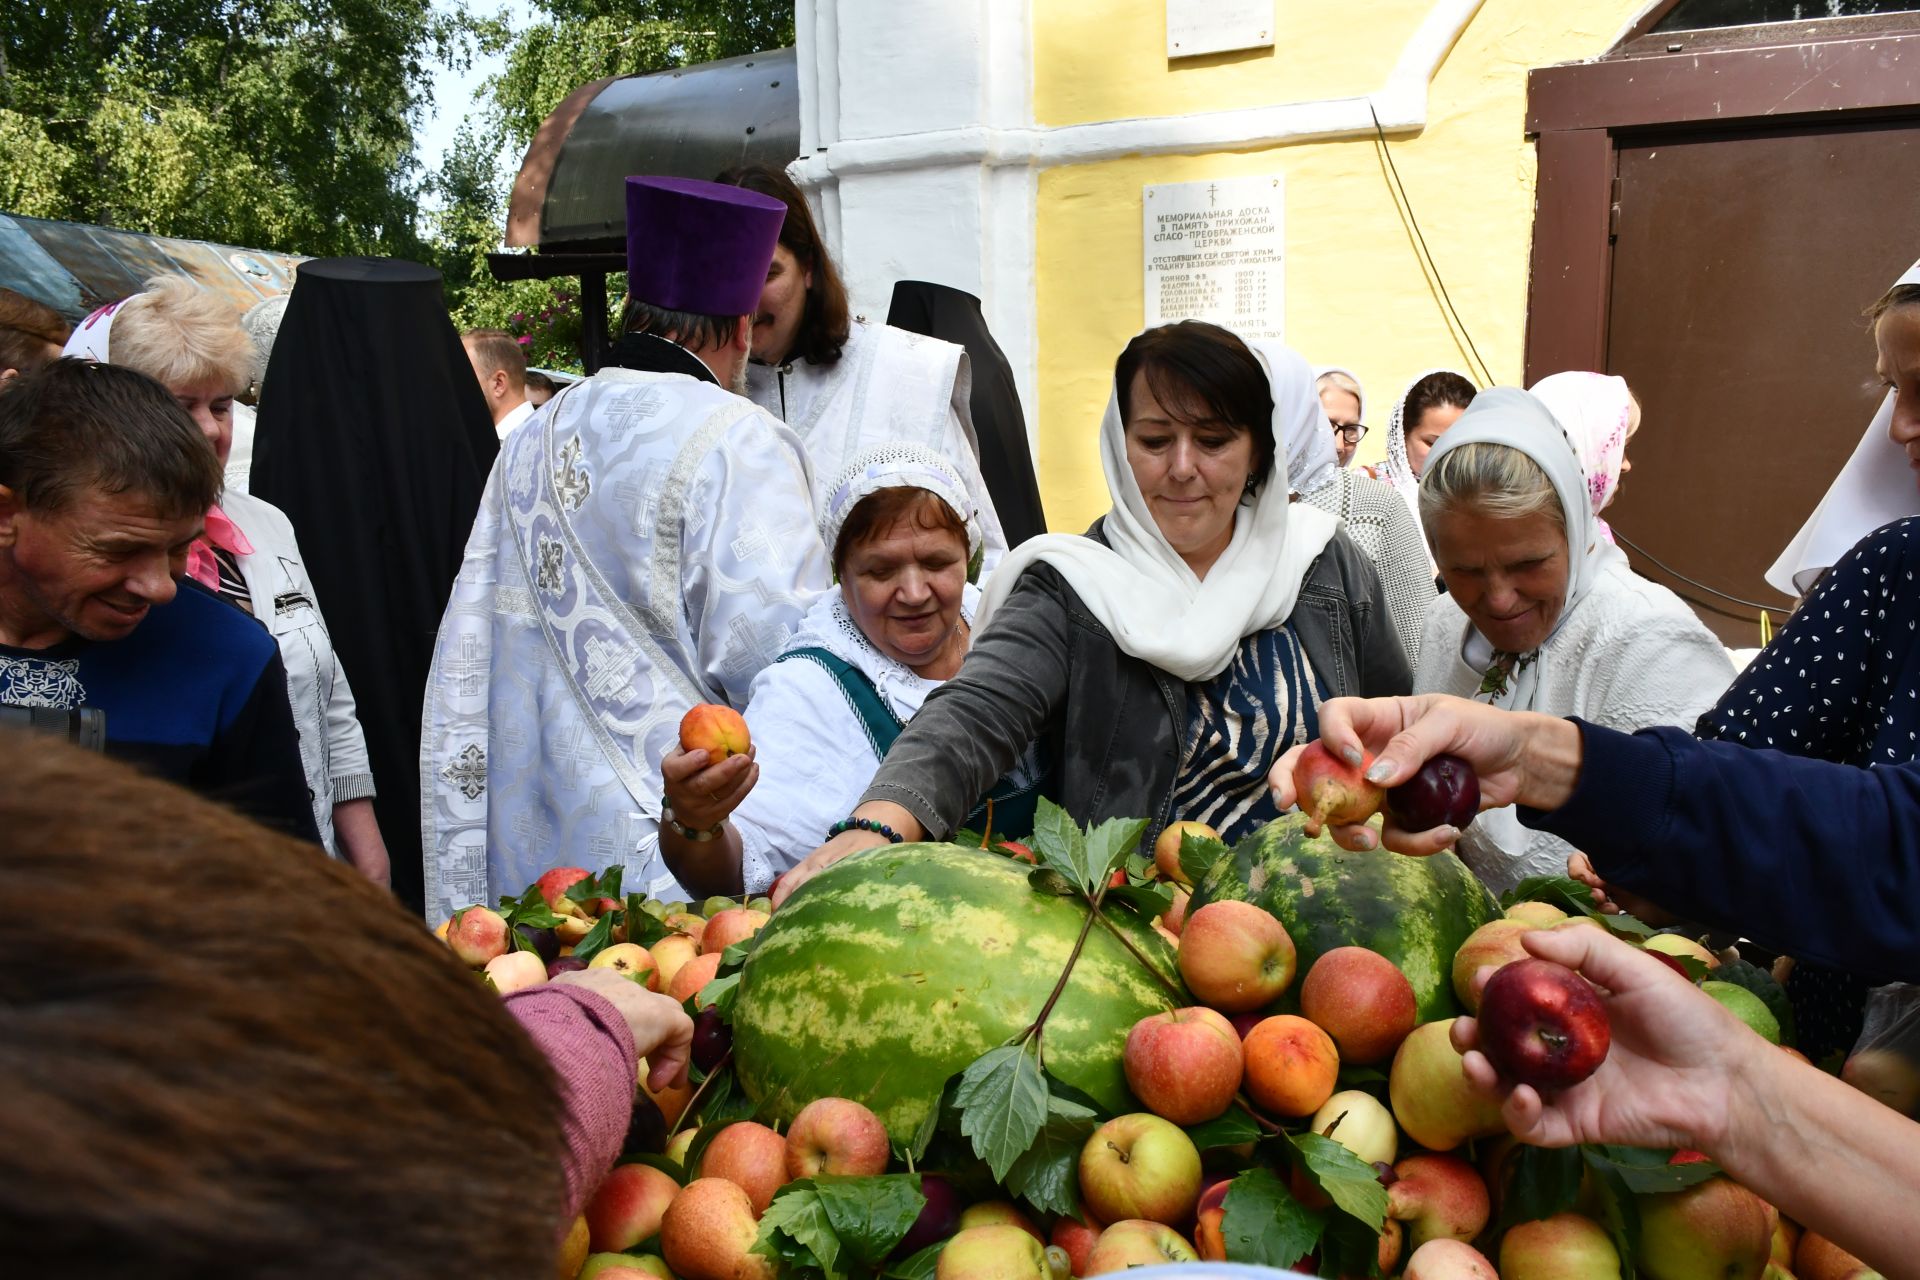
x,y
888,385
645,544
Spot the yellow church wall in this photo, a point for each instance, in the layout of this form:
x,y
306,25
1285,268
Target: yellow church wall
x,y
1356,291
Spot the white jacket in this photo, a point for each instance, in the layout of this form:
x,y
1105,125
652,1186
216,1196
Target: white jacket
x,y
332,747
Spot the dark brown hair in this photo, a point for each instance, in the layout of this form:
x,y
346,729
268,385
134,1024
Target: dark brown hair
x,y
25,327
825,325
75,424
879,511
1200,372
1901,295
689,329
1432,392
228,1056
495,351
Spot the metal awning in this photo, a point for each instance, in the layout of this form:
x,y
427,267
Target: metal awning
x,y
73,267
690,123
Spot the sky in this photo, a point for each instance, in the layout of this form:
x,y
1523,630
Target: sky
x,y
453,90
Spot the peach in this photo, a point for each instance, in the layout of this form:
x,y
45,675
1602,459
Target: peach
x,y
1184,1065
693,975
836,1136
1235,956
1292,1066
752,1157
670,954
735,924
477,935
1492,945
628,1207
1448,1260
708,1234
719,731
1361,999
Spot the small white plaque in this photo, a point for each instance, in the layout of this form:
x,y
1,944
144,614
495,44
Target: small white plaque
x,y
1217,251
1195,27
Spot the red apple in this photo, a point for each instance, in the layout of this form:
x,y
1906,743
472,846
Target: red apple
x,y
1448,1260
1443,792
1361,999
1712,1229
1291,1066
1140,1166
1543,1024
477,935
1432,1100
717,730
708,1233
1166,849
1138,1243
1332,792
993,1252
1563,1247
752,1157
1819,1258
1439,1198
726,927
1184,1065
553,884
693,975
836,1136
1493,944
628,1207
1076,1240
1235,956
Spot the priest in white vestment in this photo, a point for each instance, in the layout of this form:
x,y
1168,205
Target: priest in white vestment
x,y
645,544
846,385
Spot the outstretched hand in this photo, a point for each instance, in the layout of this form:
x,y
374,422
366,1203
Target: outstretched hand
x,y
1519,756
1668,1077
843,845
662,1031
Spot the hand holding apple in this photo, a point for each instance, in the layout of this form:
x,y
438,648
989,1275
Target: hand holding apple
x,y
1542,1024
704,787
1334,790
662,1032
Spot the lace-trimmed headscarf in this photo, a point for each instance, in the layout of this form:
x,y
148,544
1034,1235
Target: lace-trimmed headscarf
x,y
900,465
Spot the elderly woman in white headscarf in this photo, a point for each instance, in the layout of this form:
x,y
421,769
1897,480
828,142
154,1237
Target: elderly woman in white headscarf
x,y
1599,415
1380,524
1165,659
1541,612
906,543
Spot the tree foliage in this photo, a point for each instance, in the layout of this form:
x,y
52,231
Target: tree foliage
x,y
269,123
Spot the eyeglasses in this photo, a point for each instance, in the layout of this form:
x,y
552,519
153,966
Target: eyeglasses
x,y
1351,432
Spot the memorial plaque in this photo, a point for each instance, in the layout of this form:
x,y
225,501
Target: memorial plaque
x,y
1217,251
1195,27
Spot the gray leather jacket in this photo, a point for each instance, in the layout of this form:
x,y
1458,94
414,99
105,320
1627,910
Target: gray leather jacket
x,y
1047,669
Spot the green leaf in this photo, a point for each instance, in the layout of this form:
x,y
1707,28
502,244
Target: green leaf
x,y
1002,1099
1108,846
1619,1213
930,1125
1198,854
1647,1172
1349,1248
596,940
870,1215
529,908
1539,1182
642,926
1265,1225
1228,1130
1350,1181
736,955
1059,843
795,1229
604,885
1149,900
1050,882
719,992
918,1266
1575,899
1048,1175
521,942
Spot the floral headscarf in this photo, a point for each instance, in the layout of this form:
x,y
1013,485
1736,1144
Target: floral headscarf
x,y
1596,412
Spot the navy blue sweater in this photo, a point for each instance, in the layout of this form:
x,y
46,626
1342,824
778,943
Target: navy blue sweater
x,y
194,694
1808,857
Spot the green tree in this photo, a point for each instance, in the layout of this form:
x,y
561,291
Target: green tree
x,y
271,123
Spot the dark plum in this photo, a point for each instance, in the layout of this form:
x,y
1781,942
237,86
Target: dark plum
x,y
544,942
939,1218
646,1128
564,964
712,1037
1445,792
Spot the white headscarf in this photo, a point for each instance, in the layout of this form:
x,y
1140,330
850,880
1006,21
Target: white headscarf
x,y
899,464
1517,419
1140,588
1313,459
1875,487
1595,410
1398,468
89,338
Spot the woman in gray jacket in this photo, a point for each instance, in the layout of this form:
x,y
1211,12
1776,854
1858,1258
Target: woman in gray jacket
x,y
1164,660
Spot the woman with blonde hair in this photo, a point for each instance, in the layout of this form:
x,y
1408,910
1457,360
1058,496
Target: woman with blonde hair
x,y
191,342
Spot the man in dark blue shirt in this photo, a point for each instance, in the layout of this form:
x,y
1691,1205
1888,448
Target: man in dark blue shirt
x,y
104,485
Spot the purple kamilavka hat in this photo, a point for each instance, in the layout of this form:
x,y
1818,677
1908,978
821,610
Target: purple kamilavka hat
x,y
699,246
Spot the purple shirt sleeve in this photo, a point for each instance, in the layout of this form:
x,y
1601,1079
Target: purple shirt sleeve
x,y
594,1059
1815,859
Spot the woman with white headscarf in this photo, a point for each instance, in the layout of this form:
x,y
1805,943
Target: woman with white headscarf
x,y
1431,403
906,543
1166,658
1599,415
1373,515
1541,612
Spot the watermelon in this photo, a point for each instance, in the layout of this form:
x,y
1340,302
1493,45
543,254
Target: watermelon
x,y
1414,911
895,968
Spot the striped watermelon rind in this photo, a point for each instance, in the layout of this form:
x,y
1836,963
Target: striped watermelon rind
x,y
1414,911
895,968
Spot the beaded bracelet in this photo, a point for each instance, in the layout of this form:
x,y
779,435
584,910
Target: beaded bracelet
x,y
864,824
690,833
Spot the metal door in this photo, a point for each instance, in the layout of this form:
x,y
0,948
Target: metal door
x,y
1741,265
